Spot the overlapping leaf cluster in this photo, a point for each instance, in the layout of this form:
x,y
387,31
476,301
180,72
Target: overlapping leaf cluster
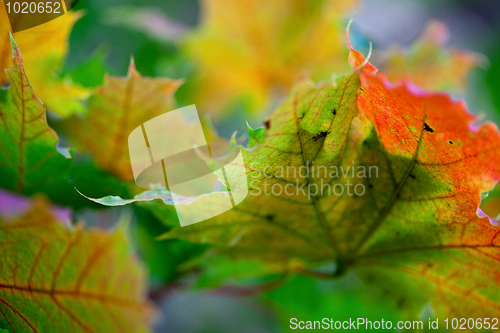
x,y
44,48
415,226
414,233
52,277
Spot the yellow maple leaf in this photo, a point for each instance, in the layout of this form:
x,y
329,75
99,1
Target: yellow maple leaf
x,y
115,110
257,49
44,49
429,64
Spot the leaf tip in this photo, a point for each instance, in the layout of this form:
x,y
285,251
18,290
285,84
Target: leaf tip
x,y
132,70
16,52
12,41
347,30
356,58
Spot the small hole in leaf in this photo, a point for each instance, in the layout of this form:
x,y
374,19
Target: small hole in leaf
x,y
270,217
267,124
401,302
428,128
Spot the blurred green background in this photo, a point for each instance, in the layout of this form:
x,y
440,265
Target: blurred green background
x,y
110,32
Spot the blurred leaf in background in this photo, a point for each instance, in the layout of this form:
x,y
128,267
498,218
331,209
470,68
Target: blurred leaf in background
x,y
490,204
44,50
306,298
252,51
162,258
492,77
114,111
429,63
119,29
60,278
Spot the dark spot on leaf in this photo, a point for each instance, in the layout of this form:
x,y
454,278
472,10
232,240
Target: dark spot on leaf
x,y
341,268
270,217
450,142
322,134
428,128
267,124
412,176
334,112
370,185
401,302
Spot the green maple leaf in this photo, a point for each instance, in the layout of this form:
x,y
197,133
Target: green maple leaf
x,y
377,179
29,156
61,279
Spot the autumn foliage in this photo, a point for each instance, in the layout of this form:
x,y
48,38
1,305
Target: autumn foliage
x,y
415,236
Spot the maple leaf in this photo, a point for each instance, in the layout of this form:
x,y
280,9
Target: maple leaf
x,y
115,110
381,179
428,63
29,155
44,49
416,225
254,49
61,279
